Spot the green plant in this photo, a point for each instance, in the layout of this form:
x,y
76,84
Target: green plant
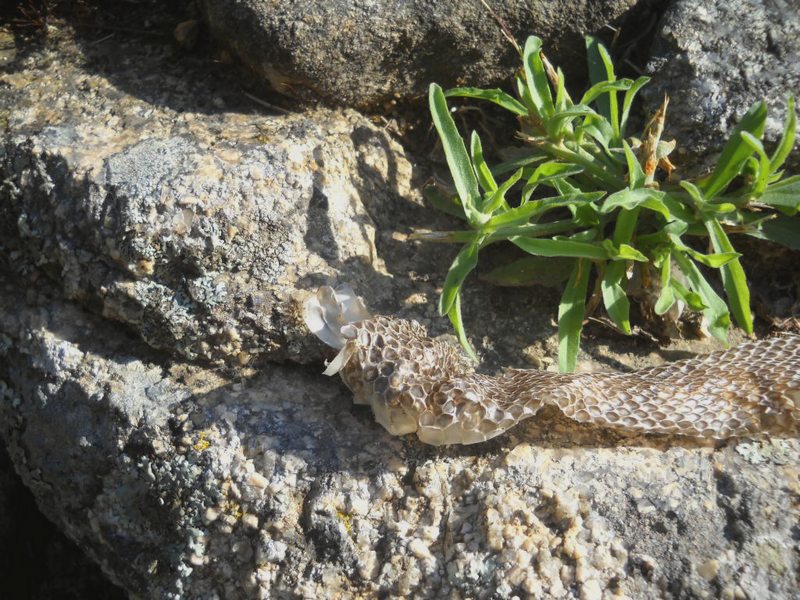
x,y
586,192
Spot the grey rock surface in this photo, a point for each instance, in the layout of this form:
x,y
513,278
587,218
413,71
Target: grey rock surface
x,y
190,474
197,226
367,53
714,59
183,483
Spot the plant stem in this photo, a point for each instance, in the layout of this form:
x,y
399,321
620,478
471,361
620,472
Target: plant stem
x,y
460,237
587,161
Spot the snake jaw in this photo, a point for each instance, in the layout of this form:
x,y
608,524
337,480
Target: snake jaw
x,y
340,361
328,313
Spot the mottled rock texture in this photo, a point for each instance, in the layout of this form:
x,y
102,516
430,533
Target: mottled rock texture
x,y
156,234
366,53
198,226
184,483
714,59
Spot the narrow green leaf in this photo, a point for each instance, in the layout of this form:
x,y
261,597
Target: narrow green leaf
x,y
531,270
614,297
458,326
547,172
573,112
716,314
456,154
623,252
702,203
564,187
625,225
485,178
587,235
538,85
666,233
601,68
784,194
561,247
553,170
690,298
600,131
695,194
763,173
585,215
714,261
464,262
498,198
787,138
665,301
733,277
678,209
603,87
735,152
628,199
524,213
782,230
495,96
525,95
512,165
636,176
466,236
628,101
571,311
562,96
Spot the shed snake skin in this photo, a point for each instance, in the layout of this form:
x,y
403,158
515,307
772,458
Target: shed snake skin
x,y
418,384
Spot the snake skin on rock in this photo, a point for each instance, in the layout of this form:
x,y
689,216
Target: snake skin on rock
x,y
417,384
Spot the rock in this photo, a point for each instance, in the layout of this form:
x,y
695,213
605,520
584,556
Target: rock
x,y
714,59
257,480
183,483
199,227
365,54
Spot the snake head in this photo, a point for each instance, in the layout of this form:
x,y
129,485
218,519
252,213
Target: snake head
x,y
328,315
330,310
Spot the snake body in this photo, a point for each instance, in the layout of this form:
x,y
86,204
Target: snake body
x,y
416,384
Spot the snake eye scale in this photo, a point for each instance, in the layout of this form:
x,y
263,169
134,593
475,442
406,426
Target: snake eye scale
x,y
416,384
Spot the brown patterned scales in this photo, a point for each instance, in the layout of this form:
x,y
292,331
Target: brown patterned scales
x,y
417,384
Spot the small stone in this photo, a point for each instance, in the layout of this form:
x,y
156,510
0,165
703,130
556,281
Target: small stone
x,y
257,480
274,551
647,564
429,533
709,569
357,506
210,515
522,454
591,590
250,520
645,507
196,560
419,549
504,589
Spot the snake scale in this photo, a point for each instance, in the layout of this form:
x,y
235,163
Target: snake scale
x,y
418,384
